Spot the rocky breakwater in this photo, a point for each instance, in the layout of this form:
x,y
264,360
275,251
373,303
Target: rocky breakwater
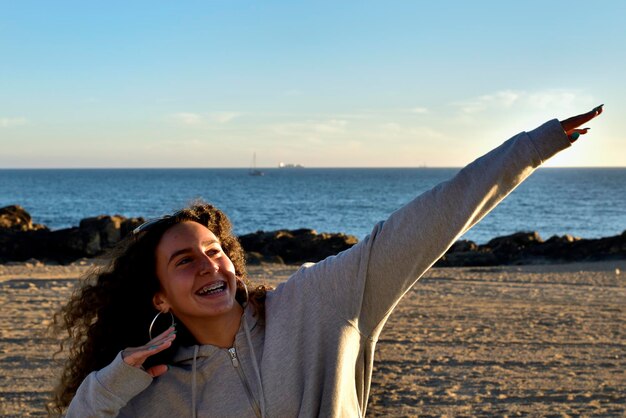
x,y
21,239
294,246
530,248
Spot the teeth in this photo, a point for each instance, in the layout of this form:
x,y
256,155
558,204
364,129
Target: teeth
x,y
214,288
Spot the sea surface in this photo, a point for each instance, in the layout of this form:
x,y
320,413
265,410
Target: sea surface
x,y
584,202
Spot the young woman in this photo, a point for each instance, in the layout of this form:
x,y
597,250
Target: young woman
x,y
305,348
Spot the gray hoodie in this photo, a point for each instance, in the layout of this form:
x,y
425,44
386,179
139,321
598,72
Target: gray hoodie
x,y
314,355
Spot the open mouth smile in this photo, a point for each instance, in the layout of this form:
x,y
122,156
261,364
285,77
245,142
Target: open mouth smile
x,y
212,289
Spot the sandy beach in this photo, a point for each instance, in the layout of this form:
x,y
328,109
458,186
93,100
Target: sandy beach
x,y
544,340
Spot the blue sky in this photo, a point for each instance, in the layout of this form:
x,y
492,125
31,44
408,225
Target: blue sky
x,y
323,84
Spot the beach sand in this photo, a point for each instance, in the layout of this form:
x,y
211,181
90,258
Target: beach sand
x,y
501,341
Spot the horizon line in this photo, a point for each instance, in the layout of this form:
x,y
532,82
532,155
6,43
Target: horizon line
x,y
278,168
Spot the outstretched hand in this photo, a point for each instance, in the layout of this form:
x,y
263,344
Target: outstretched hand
x,y
571,126
136,356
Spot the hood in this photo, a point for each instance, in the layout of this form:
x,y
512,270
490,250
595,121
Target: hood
x,y
186,354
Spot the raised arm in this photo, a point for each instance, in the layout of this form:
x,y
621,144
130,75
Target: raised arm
x,y
366,282
417,235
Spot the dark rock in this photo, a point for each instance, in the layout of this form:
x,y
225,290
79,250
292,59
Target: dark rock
x,y
296,246
466,253
111,229
104,231
528,248
563,239
16,218
507,248
74,243
463,246
21,240
517,240
254,258
576,249
468,259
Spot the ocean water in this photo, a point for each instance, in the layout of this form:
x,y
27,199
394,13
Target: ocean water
x,y
585,202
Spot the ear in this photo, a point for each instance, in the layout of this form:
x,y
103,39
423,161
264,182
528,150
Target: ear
x,y
160,303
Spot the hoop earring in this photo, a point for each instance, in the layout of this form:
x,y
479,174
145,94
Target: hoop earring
x,y
245,289
154,320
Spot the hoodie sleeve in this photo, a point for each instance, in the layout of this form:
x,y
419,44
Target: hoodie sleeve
x,y
367,281
105,392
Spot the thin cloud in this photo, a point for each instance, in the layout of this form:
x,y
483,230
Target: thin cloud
x,y
223,117
187,118
299,129
10,122
551,99
419,110
534,100
330,126
392,129
507,106
500,99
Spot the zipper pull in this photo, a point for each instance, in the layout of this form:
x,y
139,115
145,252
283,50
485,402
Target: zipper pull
x,y
233,357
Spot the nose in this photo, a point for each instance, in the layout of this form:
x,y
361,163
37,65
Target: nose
x,y
208,266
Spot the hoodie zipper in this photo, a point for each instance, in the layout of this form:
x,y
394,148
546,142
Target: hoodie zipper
x,y
235,360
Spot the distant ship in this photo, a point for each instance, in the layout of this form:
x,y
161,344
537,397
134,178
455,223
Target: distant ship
x,y
253,170
289,165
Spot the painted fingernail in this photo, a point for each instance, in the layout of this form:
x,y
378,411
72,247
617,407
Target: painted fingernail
x,y
574,136
153,347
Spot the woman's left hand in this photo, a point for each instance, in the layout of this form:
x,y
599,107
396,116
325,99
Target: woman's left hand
x,y
571,126
136,356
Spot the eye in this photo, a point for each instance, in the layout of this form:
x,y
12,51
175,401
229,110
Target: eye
x,y
213,251
183,261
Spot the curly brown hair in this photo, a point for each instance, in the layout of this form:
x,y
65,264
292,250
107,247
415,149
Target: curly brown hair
x,y
112,307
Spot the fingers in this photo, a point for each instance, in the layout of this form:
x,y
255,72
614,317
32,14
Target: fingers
x,y
574,134
157,371
574,122
136,356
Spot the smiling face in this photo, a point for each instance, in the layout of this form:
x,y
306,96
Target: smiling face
x,y
197,278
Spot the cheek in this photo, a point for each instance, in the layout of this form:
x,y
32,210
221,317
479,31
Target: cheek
x,y
173,282
229,264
